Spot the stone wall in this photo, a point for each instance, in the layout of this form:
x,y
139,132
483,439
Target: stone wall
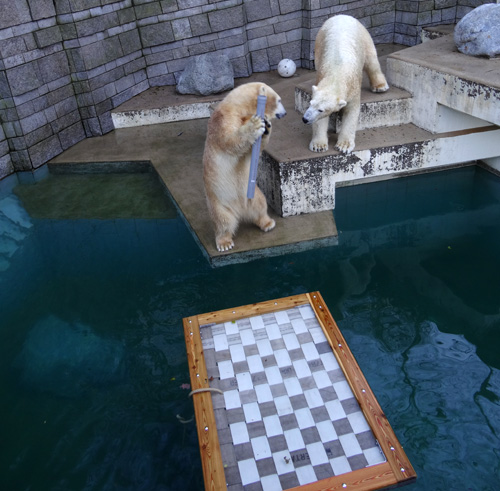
x,y
65,64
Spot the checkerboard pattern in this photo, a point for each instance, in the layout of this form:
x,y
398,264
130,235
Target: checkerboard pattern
x,y
287,416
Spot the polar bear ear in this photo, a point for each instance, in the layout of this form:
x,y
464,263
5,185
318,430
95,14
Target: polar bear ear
x,y
342,103
314,89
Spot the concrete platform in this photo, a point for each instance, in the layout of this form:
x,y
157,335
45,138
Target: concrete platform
x,y
175,151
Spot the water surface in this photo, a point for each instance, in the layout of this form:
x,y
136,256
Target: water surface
x,y
92,355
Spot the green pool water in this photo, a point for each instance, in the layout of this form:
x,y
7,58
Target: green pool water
x,y
92,352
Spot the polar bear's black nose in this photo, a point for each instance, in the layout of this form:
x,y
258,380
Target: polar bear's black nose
x,y
305,120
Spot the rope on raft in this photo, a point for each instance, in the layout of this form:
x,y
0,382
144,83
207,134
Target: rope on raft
x,y
205,389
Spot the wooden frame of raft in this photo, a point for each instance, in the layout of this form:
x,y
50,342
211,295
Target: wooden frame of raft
x,y
396,470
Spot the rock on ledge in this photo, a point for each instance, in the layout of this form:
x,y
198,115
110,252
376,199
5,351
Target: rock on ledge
x,y
206,74
478,33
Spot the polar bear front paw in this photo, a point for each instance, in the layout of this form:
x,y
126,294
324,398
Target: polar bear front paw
x,y
318,146
345,145
224,245
258,126
380,88
268,126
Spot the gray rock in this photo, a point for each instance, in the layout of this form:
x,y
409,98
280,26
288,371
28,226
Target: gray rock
x,y
478,33
206,74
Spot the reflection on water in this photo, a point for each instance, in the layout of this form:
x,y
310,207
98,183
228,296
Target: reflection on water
x,y
93,364
66,359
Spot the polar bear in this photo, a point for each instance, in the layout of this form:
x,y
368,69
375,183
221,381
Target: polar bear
x,y
232,129
343,49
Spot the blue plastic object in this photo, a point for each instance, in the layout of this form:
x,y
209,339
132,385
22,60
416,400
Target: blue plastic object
x,y
254,161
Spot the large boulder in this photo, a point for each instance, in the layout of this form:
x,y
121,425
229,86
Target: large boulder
x,y
478,33
206,74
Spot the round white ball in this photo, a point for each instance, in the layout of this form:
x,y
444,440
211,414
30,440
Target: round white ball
x,y
286,67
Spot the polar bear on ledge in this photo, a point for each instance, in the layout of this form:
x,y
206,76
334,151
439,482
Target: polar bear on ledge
x,y
232,130
343,49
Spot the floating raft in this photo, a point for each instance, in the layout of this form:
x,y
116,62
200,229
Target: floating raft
x,y
284,404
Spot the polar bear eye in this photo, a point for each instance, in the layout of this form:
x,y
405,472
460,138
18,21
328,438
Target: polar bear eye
x,y
320,110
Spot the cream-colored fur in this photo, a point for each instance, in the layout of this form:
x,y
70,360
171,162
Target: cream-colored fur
x,y
343,49
232,130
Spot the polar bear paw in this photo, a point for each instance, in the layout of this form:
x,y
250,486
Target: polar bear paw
x,y
224,244
268,126
345,145
267,224
257,126
381,87
318,146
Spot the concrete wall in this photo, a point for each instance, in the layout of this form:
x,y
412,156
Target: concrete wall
x,y
65,64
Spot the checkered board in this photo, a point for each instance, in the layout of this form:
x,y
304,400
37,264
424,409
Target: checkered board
x,y
286,415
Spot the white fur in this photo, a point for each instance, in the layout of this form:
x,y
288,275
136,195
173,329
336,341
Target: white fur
x,y
231,132
343,49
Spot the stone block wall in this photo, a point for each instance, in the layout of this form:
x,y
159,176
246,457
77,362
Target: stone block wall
x,y
413,15
65,64
38,107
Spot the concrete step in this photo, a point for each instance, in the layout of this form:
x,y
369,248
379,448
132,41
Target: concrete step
x,y
162,105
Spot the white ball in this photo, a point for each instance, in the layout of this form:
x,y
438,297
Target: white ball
x,y
286,67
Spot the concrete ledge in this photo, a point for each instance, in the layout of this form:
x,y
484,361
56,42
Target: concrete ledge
x,y
163,105
437,73
143,117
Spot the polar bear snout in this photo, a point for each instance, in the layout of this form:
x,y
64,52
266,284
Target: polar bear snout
x,y
280,111
310,116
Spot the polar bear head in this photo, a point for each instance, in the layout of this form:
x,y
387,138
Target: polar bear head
x,y
323,103
242,101
274,106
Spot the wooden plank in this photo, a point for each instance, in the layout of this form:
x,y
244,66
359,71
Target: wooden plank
x,y
252,310
211,459
374,415
366,479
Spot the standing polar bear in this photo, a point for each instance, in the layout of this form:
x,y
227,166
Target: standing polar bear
x,y
343,49
232,130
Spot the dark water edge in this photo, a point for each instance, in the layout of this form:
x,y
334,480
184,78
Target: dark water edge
x,y
92,351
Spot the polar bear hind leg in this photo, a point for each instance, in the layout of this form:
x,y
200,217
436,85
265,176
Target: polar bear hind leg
x,y
378,81
226,224
257,212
